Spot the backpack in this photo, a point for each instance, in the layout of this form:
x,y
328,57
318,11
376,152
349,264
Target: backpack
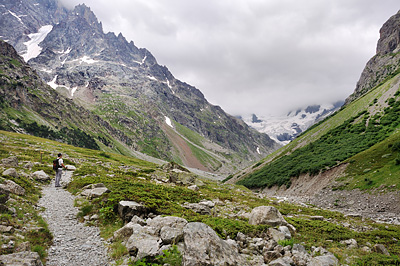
x,y
55,164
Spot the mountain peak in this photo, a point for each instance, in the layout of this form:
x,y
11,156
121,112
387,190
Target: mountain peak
x,y
389,36
385,63
83,11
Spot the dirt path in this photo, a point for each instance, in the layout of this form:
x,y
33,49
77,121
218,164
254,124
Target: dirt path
x,y
73,243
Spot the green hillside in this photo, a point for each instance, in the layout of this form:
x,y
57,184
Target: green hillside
x,y
132,179
357,127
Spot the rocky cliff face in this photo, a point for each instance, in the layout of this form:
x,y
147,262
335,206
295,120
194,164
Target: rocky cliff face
x,y
385,63
125,85
26,99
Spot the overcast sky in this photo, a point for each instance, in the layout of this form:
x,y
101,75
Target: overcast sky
x,y
255,56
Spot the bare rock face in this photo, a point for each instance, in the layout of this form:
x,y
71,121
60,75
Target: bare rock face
x,y
384,63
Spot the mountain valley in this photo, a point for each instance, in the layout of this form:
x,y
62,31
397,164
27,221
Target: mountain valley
x,y
146,154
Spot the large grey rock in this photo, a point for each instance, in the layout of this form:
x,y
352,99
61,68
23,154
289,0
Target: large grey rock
x,y
12,187
350,243
170,235
285,261
170,221
28,165
93,191
203,247
124,232
266,215
128,209
276,234
10,172
379,248
198,208
271,256
141,244
326,260
25,258
70,167
40,176
4,195
10,161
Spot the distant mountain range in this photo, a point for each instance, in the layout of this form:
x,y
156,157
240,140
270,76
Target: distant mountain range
x,y
284,129
153,112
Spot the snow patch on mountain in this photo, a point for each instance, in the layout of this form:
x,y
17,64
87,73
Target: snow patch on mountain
x,y
284,128
16,16
168,121
33,48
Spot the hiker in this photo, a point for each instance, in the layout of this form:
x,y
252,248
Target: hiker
x,y
59,167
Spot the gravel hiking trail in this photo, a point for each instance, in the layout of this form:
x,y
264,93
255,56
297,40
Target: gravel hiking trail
x,y
74,243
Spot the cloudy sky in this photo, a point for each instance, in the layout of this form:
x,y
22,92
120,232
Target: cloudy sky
x,y
255,56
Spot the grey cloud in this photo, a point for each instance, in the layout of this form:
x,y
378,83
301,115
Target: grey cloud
x,y
252,56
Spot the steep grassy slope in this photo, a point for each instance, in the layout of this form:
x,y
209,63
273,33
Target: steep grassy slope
x,y
360,125
126,125
132,179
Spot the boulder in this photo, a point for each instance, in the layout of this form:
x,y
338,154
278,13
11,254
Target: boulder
x,y
285,230
10,161
70,167
169,221
276,234
6,229
379,248
25,258
40,176
12,187
10,172
198,208
300,255
141,244
203,247
285,261
171,166
194,187
28,165
170,235
124,232
93,191
326,260
4,195
266,215
128,209
350,243
271,256
182,178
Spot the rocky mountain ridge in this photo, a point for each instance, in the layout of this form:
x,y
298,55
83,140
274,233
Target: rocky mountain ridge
x,y
385,63
126,86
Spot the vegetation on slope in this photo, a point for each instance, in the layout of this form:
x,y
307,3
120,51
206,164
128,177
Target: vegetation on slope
x,y
336,145
132,179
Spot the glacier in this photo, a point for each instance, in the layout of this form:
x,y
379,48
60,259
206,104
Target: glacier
x,y
33,48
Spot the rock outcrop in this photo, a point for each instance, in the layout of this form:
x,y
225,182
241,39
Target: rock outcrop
x,y
384,63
